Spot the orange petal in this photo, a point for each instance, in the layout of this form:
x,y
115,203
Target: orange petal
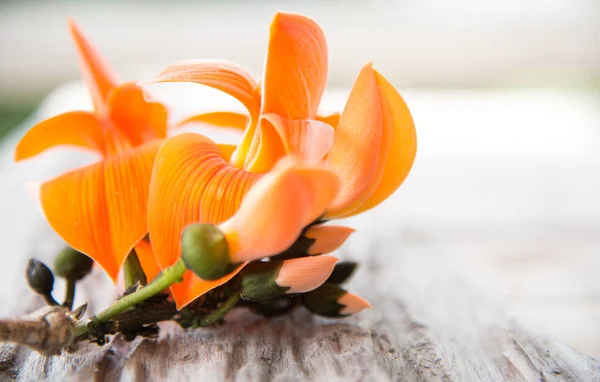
x,y
100,209
76,128
191,183
277,208
361,143
222,119
403,143
305,274
222,75
226,150
332,119
327,238
137,118
97,75
352,303
227,77
306,140
296,67
147,260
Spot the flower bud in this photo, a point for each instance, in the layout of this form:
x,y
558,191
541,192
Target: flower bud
x,y
73,265
39,277
205,251
330,300
264,281
342,272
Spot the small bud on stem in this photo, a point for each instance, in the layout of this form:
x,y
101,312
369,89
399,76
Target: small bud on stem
x,y
72,264
205,251
41,280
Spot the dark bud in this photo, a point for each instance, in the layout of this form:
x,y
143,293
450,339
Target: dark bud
x,y
330,300
71,264
205,252
342,272
324,300
39,277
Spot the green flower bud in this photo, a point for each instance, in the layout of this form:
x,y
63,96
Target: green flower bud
x,y
342,272
39,277
258,281
73,265
205,252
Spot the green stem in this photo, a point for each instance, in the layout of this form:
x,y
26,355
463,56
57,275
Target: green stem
x,y
220,312
133,271
169,276
69,294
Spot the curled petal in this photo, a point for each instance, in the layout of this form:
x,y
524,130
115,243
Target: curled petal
x,y
403,143
97,75
75,128
375,137
222,119
227,77
191,183
306,140
137,118
277,208
100,209
296,67
222,75
327,238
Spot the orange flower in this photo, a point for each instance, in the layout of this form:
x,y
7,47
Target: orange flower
x,y
195,180
100,209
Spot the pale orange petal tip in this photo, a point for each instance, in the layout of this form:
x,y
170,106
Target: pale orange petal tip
x,y
305,274
327,238
352,303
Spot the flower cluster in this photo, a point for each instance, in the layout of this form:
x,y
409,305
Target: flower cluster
x,y
197,216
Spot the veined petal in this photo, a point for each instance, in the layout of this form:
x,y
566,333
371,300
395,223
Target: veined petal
x,y
97,75
147,259
296,67
75,128
227,77
220,118
222,75
327,238
100,209
306,140
403,143
277,208
137,118
191,183
332,119
361,144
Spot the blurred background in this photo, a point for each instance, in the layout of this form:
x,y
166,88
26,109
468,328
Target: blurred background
x,y
505,94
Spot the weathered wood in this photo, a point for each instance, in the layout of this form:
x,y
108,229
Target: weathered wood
x,y
427,323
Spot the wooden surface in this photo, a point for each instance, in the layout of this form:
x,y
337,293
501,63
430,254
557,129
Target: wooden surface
x,y
443,263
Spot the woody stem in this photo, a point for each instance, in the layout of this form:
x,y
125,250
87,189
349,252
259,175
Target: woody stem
x,y
169,276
